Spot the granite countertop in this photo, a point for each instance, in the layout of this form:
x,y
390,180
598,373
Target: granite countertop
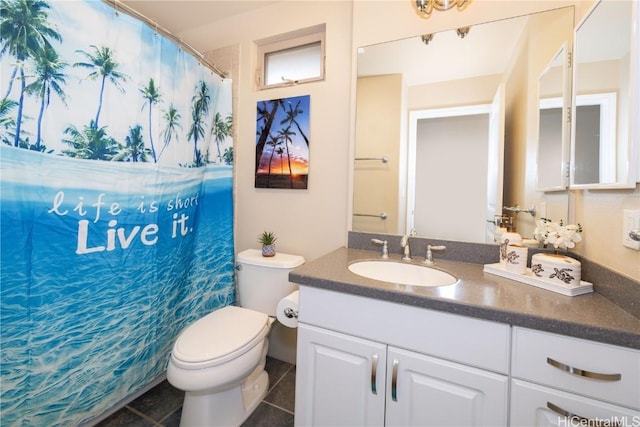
x,y
481,295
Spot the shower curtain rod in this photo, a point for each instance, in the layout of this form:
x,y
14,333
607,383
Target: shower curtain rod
x,y
118,6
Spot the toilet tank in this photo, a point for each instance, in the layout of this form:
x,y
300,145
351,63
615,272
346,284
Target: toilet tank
x,y
264,281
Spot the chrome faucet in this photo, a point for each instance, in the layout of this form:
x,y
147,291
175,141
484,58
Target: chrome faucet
x,y
385,248
404,243
428,259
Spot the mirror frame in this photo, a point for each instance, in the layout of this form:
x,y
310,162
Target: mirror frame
x,y
632,145
564,102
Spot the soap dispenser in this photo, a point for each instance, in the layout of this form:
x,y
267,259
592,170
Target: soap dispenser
x,y
511,237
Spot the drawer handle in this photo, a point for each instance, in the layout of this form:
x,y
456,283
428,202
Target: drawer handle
x,y
394,381
582,420
374,371
582,372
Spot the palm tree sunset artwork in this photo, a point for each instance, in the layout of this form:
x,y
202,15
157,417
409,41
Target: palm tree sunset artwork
x,y
282,143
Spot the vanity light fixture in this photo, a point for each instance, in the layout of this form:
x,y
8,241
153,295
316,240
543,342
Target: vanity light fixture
x,y
426,38
425,7
462,32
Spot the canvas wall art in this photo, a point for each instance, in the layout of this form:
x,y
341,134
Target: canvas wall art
x,y
282,143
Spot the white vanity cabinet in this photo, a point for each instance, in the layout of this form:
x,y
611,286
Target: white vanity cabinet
x,y
339,379
366,362
427,391
559,380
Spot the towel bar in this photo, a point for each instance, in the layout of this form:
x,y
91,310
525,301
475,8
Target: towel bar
x,y
382,159
381,216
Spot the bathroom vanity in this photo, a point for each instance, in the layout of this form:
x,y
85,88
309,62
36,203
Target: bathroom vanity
x,y
484,351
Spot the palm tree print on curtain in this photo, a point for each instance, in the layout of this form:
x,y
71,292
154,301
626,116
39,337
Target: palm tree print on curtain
x,y
26,35
116,159
282,143
49,79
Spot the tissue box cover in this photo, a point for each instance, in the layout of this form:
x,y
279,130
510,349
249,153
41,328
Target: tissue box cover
x,y
556,268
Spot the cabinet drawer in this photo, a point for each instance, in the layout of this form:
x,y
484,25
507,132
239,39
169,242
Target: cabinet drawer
x,y
462,339
536,405
602,371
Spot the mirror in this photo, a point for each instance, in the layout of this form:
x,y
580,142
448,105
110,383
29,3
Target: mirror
x,y
553,125
606,74
401,82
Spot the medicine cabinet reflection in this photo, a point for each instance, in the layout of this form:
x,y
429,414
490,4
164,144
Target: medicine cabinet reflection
x,y
605,107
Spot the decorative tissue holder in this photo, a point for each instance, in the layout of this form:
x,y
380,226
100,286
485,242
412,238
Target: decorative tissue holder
x,y
556,268
557,273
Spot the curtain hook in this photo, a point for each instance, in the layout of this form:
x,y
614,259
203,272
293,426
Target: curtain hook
x,y
115,7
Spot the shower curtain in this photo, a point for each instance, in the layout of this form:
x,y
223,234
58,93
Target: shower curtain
x,y
116,206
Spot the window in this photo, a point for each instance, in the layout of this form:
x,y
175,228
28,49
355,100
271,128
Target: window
x,y
291,58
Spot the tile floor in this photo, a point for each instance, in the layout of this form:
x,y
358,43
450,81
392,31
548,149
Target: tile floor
x,y
162,405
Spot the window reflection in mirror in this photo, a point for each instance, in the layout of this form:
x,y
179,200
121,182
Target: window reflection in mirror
x,y
604,65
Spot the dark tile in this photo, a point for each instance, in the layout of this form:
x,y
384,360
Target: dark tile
x,y
173,420
266,415
159,402
276,370
284,392
124,418
163,403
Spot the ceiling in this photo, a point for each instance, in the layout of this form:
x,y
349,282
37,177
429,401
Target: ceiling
x,y
180,15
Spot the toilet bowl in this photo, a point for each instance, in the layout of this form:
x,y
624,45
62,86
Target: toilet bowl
x,y
218,361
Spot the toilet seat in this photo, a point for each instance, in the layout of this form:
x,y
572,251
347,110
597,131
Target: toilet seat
x,y
230,332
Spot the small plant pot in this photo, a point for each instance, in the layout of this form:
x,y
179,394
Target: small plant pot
x,y
268,250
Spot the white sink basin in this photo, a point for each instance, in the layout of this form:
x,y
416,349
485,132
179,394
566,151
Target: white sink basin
x,y
402,273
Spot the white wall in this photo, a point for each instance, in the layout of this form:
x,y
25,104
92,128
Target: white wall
x,y
308,222
315,221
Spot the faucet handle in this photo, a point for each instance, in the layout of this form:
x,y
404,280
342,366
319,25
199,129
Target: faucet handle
x,y
385,247
428,259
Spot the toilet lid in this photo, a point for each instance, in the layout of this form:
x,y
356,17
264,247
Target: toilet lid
x,y
220,336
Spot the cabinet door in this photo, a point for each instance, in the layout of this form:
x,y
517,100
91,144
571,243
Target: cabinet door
x,y
536,405
425,391
340,380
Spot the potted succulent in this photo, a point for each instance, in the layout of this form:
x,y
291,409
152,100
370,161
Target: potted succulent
x,y
268,240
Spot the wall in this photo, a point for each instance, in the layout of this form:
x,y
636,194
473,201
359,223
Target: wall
x,y
308,222
315,221
478,90
378,119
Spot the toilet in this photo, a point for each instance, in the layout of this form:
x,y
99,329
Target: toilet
x,y
218,361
